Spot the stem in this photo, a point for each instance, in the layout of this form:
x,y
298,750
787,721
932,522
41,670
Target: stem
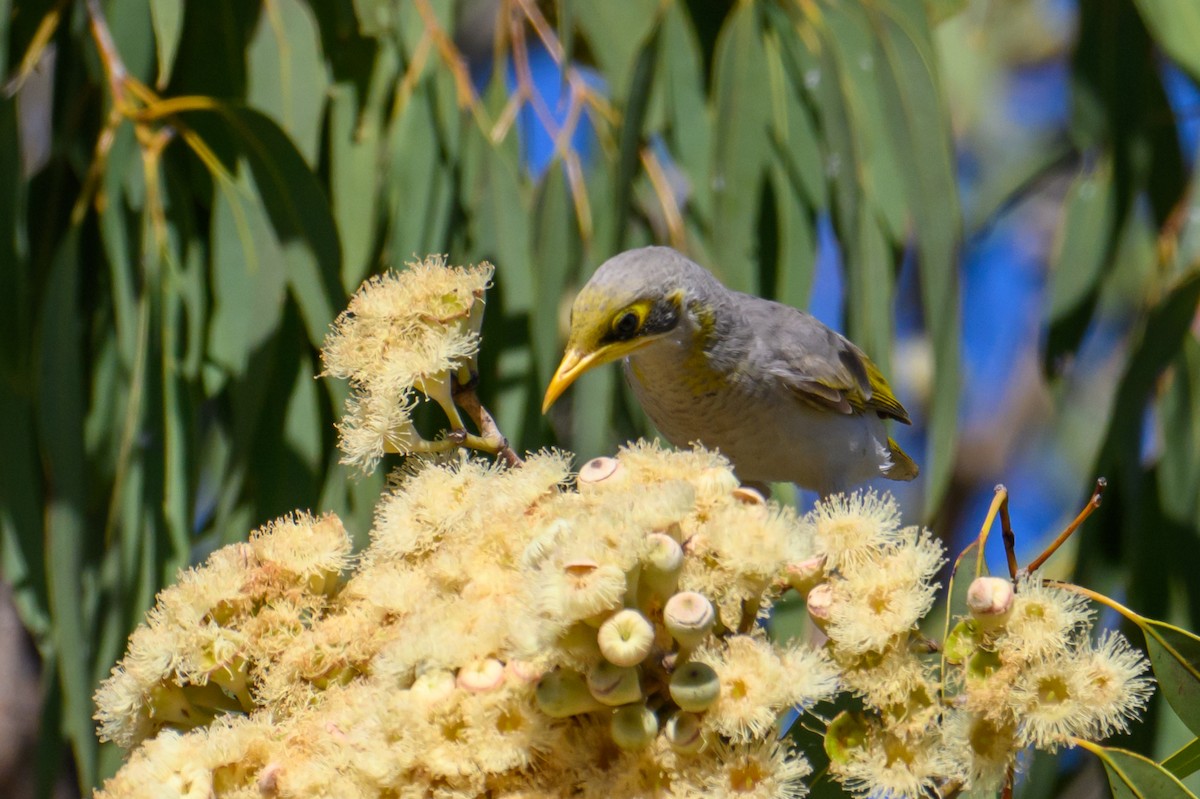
x,y
1000,498
1010,539
114,67
1133,616
1087,511
490,438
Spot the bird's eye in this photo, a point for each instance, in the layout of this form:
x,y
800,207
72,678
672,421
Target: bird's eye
x,y
627,324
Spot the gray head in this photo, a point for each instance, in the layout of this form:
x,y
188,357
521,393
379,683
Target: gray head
x,y
632,300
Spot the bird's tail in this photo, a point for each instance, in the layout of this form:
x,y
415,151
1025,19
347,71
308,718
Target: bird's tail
x,y
903,467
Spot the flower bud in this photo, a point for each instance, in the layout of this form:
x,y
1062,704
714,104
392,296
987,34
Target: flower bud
x,y
597,470
820,603
626,638
805,575
434,684
564,693
661,564
682,732
695,686
580,567
579,641
614,685
523,671
990,600
480,676
634,726
268,779
749,496
689,617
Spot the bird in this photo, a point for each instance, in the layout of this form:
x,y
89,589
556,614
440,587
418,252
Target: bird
x,y
782,396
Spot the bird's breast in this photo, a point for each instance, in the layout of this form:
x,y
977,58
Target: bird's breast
x,y
764,431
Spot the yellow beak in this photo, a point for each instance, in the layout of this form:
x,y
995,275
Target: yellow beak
x,y
574,363
577,361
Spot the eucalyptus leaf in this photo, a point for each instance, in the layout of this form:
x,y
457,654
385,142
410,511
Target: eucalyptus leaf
x,y
167,18
1175,25
1175,655
1133,776
740,146
1186,761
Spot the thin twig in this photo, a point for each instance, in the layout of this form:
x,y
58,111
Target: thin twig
x,y
998,500
1087,511
1010,538
114,67
451,56
466,398
666,198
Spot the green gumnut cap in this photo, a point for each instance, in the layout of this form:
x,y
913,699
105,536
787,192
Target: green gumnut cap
x,y
695,686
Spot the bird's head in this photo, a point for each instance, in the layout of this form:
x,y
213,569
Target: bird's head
x,y
633,300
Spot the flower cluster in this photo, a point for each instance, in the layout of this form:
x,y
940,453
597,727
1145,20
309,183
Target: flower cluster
x,y
516,630
404,334
1030,674
1021,671
220,624
504,634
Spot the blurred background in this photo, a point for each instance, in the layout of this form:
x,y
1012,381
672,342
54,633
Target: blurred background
x,y
994,199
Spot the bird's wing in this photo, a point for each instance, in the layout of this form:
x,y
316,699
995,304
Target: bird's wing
x,y
818,365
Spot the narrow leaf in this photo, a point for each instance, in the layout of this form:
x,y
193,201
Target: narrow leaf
x,y
167,19
920,125
1175,26
1175,656
1086,245
741,146
1186,761
1132,776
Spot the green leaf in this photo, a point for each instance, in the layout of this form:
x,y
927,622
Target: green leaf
x,y
1165,328
130,23
1175,26
1085,240
419,190
1179,468
556,250
869,280
616,33
797,260
741,146
375,17
793,131
1132,776
248,279
632,121
356,149
1186,761
688,120
286,75
875,144
303,235
942,10
1086,246
61,393
1175,656
920,126
167,19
